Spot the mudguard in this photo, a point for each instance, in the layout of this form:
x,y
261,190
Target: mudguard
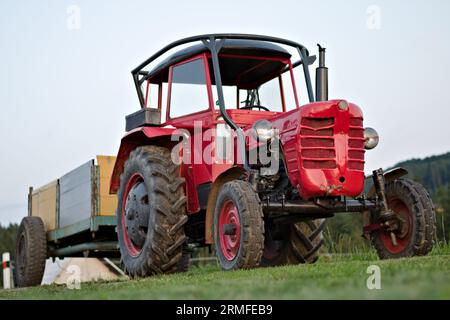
x,y
389,175
132,140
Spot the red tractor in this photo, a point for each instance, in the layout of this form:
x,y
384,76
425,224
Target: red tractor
x,y
221,152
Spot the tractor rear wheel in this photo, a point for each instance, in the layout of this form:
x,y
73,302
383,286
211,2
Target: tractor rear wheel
x,y
238,226
31,252
415,210
151,213
300,243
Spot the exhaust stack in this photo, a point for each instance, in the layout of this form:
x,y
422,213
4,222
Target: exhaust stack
x,y
321,77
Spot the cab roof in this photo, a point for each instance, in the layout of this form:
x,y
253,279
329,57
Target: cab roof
x,y
244,71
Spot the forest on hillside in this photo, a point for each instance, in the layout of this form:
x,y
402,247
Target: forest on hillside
x,y
8,237
433,172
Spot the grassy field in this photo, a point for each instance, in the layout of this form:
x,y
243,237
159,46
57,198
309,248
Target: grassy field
x,y
333,277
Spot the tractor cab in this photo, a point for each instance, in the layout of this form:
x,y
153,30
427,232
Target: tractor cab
x,y
257,82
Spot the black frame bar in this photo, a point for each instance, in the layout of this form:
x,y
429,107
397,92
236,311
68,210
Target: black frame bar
x,y
214,43
289,211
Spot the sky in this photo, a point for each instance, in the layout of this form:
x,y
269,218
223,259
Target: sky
x,y
65,82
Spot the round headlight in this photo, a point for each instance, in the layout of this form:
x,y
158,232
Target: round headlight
x,y
263,130
371,138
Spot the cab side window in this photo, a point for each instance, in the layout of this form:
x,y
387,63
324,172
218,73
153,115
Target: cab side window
x,y
188,93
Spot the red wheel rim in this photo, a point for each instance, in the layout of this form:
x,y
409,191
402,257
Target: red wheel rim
x,y
133,249
402,211
229,243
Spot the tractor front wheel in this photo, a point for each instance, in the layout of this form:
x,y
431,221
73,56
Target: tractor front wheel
x,y
415,211
238,226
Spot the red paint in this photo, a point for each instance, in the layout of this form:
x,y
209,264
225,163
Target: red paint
x,y
283,102
229,244
160,87
402,243
146,93
133,250
294,87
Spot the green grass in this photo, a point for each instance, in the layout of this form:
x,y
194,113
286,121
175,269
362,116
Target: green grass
x,y
333,277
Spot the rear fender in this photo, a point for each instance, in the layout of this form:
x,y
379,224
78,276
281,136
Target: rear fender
x,y
135,138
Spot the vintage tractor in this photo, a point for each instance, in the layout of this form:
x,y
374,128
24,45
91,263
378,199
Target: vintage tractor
x,y
221,152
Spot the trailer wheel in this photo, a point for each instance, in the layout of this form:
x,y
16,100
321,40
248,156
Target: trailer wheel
x,y
151,213
412,204
300,244
31,252
238,226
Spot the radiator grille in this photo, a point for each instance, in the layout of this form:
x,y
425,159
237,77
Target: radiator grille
x,y
356,144
317,142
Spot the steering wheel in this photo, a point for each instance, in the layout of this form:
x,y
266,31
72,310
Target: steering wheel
x,y
256,106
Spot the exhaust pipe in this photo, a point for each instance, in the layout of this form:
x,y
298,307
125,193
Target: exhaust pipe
x,y
321,77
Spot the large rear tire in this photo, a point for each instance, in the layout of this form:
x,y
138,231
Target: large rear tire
x,y
238,226
299,244
412,204
151,213
31,252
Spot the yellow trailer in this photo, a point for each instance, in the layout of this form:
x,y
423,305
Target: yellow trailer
x,y
71,216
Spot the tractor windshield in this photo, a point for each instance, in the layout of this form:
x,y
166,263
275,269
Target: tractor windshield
x,y
257,84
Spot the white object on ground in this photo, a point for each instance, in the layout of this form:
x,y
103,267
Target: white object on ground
x,y
91,269
6,271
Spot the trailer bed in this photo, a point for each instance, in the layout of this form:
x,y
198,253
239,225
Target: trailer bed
x,y
77,210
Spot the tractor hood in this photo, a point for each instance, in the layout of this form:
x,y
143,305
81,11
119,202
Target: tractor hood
x,y
323,148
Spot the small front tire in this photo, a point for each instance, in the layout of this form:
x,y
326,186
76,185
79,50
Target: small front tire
x,y
412,204
238,226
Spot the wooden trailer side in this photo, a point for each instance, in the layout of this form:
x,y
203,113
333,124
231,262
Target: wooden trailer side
x,y
44,204
107,202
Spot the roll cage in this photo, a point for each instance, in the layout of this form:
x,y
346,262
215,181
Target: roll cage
x,y
214,43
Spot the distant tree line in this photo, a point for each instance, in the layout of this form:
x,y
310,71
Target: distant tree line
x,y
433,172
